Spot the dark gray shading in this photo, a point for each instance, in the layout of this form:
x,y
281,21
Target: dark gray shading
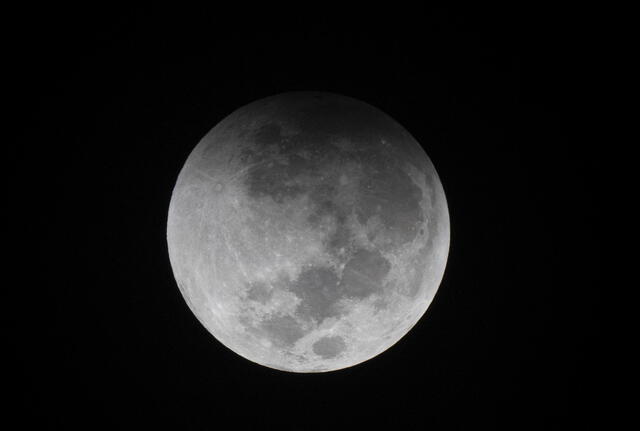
x,y
323,196
283,330
322,209
395,199
286,175
385,189
316,144
364,273
319,119
341,116
269,134
259,292
266,144
317,287
329,347
273,180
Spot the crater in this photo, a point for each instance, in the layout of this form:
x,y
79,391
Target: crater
x,y
329,347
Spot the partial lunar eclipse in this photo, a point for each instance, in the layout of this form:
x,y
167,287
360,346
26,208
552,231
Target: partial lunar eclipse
x,y
308,232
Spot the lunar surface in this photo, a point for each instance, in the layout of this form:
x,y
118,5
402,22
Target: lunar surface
x,y
308,232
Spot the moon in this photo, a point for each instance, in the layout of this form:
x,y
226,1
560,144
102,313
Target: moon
x,y
308,232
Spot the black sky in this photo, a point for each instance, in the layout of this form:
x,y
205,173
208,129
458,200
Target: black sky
x,y
114,101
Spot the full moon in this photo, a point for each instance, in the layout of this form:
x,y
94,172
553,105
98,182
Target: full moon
x,y
308,232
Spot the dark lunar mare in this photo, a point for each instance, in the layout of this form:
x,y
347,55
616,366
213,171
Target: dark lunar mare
x,y
284,330
318,289
329,347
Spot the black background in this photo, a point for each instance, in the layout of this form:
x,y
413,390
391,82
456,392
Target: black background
x,y
113,103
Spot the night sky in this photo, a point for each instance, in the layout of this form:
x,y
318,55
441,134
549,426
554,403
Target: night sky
x,y
111,103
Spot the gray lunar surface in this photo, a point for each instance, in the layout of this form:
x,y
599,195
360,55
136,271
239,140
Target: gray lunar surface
x,y
308,232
